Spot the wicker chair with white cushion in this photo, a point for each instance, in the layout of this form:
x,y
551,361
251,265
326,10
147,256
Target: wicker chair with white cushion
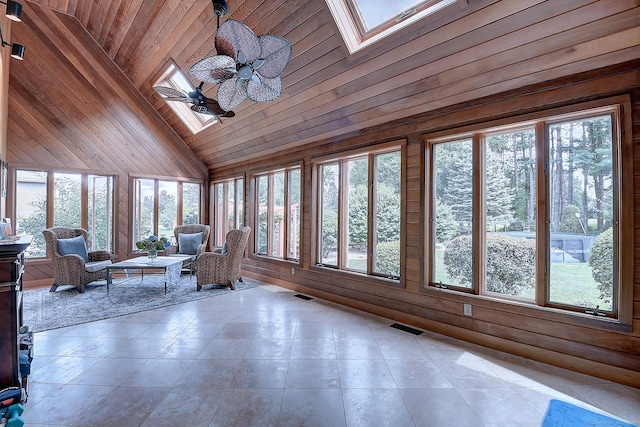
x,y
74,265
223,268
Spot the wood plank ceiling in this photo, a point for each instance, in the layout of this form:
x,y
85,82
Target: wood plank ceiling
x,y
472,49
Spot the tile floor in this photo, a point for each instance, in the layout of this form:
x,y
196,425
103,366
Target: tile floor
x,y
263,357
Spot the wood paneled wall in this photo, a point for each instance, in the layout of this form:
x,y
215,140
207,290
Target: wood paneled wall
x,y
71,108
514,328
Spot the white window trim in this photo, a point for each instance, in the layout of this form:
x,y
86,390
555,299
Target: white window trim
x,y
350,32
190,118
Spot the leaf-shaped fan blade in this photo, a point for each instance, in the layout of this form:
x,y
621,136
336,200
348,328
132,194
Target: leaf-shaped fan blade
x,y
202,110
265,90
234,36
171,94
230,94
213,106
214,69
276,52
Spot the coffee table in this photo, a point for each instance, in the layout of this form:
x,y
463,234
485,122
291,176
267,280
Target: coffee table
x,y
171,267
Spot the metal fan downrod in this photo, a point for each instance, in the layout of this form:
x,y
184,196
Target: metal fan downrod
x,y
220,9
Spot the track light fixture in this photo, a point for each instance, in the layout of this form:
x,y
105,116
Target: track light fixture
x,y
17,50
14,10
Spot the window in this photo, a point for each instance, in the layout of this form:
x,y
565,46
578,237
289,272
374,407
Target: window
x,y
190,203
359,212
159,205
227,208
278,196
73,194
531,212
173,77
363,22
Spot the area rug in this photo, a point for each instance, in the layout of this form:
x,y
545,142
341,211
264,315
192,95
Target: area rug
x,y
563,414
44,310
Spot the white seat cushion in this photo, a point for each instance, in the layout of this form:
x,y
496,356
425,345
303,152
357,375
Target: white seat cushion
x,y
94,266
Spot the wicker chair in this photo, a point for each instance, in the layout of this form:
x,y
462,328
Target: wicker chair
x,y
71,269
223,269
190,229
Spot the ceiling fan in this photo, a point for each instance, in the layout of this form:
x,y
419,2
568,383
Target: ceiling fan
x,y
199,103
246,66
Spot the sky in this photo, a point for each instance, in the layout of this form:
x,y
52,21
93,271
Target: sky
x,y
375,14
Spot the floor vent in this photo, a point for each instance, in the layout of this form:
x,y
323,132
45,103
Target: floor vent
x,y
406,329
304,297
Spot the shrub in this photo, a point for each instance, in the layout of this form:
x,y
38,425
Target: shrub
x,y
510,263
446,224
388,258
570,223
516,225
601,263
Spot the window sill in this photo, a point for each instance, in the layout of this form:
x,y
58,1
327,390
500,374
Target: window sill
x,y
354,275
531,310
289,262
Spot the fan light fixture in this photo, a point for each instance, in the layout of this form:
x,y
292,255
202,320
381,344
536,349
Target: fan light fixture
x,y
14,10
246,65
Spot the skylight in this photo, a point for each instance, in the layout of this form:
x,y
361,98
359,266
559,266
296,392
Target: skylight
x,y
364,22
174,78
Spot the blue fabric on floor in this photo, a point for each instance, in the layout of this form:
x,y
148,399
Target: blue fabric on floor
x,y
563,414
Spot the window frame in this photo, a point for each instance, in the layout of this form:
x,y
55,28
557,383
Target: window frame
x,y
370,152
156,189
354,33
219,231
620,109
286,220
50,200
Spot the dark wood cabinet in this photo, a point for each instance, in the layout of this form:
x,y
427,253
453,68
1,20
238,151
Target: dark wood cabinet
x,y
11,271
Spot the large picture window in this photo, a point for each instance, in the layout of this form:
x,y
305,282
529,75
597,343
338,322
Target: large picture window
x,y
278,197
227,202
359,212
160,205
73,194
531,212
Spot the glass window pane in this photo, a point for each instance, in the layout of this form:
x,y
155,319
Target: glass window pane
x,y
143,218
510,209
239,203
67,202
387,213
100,213
190,203
231,205
219,220
167,208
263,214
294,214
372,14
329,214
31,209
581,209
277,216
453,211
358,213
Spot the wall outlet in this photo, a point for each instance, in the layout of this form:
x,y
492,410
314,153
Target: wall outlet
x,y
467,310
293,271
